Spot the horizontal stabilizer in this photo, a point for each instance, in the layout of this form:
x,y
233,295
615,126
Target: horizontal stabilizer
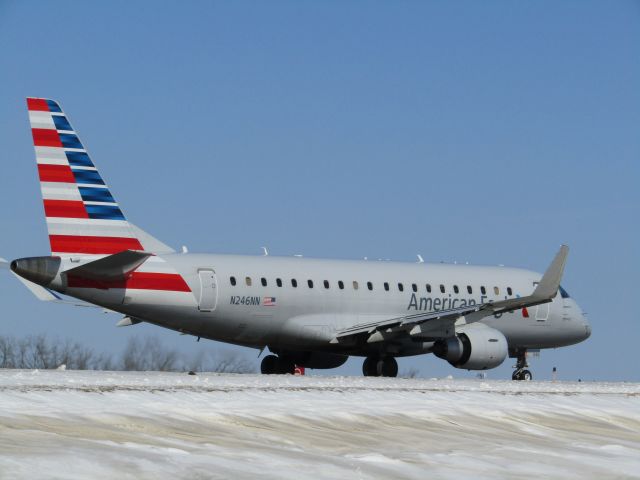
x,y
113,267
41,293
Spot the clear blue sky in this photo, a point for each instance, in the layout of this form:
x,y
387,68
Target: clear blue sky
x,y
488,132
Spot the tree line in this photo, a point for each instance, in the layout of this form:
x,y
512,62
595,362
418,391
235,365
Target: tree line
x,y
139,354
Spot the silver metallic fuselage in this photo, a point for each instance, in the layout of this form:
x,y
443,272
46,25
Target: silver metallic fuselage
x,y
306,319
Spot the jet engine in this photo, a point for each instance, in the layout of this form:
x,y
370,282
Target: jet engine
x,y
477,347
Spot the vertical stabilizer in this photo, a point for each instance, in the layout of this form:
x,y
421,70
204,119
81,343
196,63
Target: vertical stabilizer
x,y
83,217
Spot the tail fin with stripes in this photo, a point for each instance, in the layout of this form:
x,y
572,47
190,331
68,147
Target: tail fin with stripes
x,y
83,217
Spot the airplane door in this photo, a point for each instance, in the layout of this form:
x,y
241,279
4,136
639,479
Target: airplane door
x,y
208,290
542,312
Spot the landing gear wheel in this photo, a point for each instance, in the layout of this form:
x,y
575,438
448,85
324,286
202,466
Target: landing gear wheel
x,y
387,367
380,367
521,372
522,375
369,367
285,366
276,365
269,365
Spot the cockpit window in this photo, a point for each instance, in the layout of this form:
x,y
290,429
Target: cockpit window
x,y
563,293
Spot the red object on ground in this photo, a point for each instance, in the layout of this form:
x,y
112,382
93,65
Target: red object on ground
x,y
298,370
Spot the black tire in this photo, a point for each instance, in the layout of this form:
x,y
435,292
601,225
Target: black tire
x,y
387,367
369,367
526,375
515,375
269,365
285,366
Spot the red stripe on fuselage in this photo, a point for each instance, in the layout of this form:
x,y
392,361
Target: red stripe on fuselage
x,y
65,209
43,137
56,173
37,104
136,281
92,245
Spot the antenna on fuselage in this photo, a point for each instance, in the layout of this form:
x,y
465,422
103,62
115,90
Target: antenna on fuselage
x,y
420,259
266,252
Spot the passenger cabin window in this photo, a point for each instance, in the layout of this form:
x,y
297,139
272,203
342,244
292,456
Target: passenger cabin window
x,y
496,290
386,286
401,287
310,283
294,283
414,287
279,282
469,289
370,285
483,290
263,281
509,291
355,285
326,284
428,288
232,280
455,289
442,288
247,280
340,284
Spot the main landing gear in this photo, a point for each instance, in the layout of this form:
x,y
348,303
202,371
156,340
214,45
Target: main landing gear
x,y
380,367
521,372
277,365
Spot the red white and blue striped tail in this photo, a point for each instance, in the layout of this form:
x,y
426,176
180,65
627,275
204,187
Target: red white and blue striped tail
x,y
83,217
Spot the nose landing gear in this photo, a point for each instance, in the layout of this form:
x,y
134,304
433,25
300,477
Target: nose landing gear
x,y
522,372
380,367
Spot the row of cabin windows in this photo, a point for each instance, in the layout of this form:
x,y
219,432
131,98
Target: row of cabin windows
x,y
414,287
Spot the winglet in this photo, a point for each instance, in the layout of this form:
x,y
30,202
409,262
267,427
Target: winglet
x,y
550,282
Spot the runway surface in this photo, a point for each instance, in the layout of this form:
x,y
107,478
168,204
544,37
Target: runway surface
x,y
104,425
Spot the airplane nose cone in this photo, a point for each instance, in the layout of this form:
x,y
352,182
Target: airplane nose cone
x,y
40,270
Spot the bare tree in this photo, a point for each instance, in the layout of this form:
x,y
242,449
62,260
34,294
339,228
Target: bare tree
x,y
410,373
37,351
148,355
220,362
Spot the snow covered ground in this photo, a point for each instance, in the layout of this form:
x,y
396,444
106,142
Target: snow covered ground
x,y
105,425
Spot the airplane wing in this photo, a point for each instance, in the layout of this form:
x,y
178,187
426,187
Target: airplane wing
x,y
440,323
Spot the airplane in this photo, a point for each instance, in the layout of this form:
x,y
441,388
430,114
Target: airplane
x,y
308,312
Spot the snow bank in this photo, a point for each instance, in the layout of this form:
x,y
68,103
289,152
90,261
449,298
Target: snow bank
x,y
69,424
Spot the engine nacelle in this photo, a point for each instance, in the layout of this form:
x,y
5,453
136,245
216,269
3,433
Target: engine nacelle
x,y
478,347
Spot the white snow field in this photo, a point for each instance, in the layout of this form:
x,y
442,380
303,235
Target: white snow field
x,y
112,425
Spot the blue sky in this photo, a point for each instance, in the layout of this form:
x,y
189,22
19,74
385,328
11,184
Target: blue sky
x,y
488,132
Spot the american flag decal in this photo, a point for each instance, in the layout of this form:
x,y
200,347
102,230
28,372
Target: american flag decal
x,y
269,301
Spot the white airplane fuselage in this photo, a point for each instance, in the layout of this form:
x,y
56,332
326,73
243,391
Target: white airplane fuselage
x,y
304,317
